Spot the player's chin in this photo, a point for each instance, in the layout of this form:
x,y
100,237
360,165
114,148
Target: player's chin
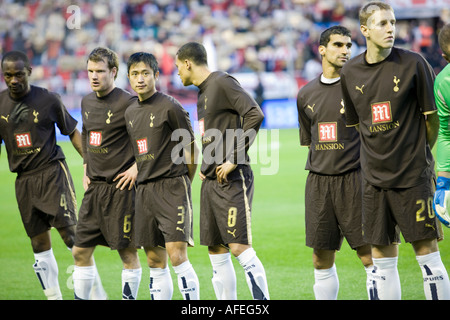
x,y
389,43
141,89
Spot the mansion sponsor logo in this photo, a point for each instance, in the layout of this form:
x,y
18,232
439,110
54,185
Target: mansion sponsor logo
x,y
23,140
328,131
382,117
95,138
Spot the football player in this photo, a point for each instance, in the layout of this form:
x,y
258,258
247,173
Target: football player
x,y
106,214
442,96
164,217
224,110
333,186
44,188
388,95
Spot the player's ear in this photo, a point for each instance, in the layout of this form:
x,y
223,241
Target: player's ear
x,y
364,30
322,50
447,58
29,69
114,70
188,64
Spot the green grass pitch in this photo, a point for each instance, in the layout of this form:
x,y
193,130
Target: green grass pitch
x,y
278,238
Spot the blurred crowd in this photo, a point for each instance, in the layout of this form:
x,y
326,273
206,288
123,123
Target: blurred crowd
x,y
240,35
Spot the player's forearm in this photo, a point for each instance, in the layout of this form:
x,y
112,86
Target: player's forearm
x,y
191,156
75,138
432,124
252,121
445,174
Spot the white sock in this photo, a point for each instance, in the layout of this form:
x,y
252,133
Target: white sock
x,y
131,278
255,274
187,281
224,277
369,281
326,285
83,280
97,291
386,279
46,270
161,286
435,278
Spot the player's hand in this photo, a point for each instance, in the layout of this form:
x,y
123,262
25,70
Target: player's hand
x,y
127,178
86,182
202,176
223,170
441,202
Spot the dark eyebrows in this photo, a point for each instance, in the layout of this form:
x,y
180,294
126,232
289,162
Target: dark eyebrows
x,y
341,44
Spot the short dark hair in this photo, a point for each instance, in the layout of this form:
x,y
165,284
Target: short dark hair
x,y
325,36
444,39
106,55
148,58
16,56
193,51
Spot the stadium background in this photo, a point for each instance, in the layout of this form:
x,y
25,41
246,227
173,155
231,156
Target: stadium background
x,y
270,46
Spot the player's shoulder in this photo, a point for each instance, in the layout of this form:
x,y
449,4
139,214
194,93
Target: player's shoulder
x,y
4,94
167,100
310,86
44,92
407,57
44,96
223,77
123,97
355,61
123,93
90,96
5,99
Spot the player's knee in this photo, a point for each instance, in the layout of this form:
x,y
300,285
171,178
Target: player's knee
x,y
68,236
236,249
323,259
365,255
41,242
178,257
82,256
130,258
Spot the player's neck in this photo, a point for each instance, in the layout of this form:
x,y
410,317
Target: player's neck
x,y
105,92
330,71
145,96
376,54
202,73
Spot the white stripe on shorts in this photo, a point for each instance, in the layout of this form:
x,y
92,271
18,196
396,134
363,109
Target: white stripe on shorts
x,y
247,209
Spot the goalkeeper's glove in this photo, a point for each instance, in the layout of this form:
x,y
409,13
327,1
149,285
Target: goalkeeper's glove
x,y
441,202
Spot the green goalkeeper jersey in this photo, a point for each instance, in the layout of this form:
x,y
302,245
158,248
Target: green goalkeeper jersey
x,y
442,96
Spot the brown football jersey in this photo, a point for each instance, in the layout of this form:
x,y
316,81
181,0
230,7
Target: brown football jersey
x,y
229,119
151,124
27,126
106,146
334,148
389,101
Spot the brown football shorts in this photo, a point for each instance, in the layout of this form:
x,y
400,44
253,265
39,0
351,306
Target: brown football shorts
x,y
409,211
164,212
106,217
225,209
333,210
46,198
